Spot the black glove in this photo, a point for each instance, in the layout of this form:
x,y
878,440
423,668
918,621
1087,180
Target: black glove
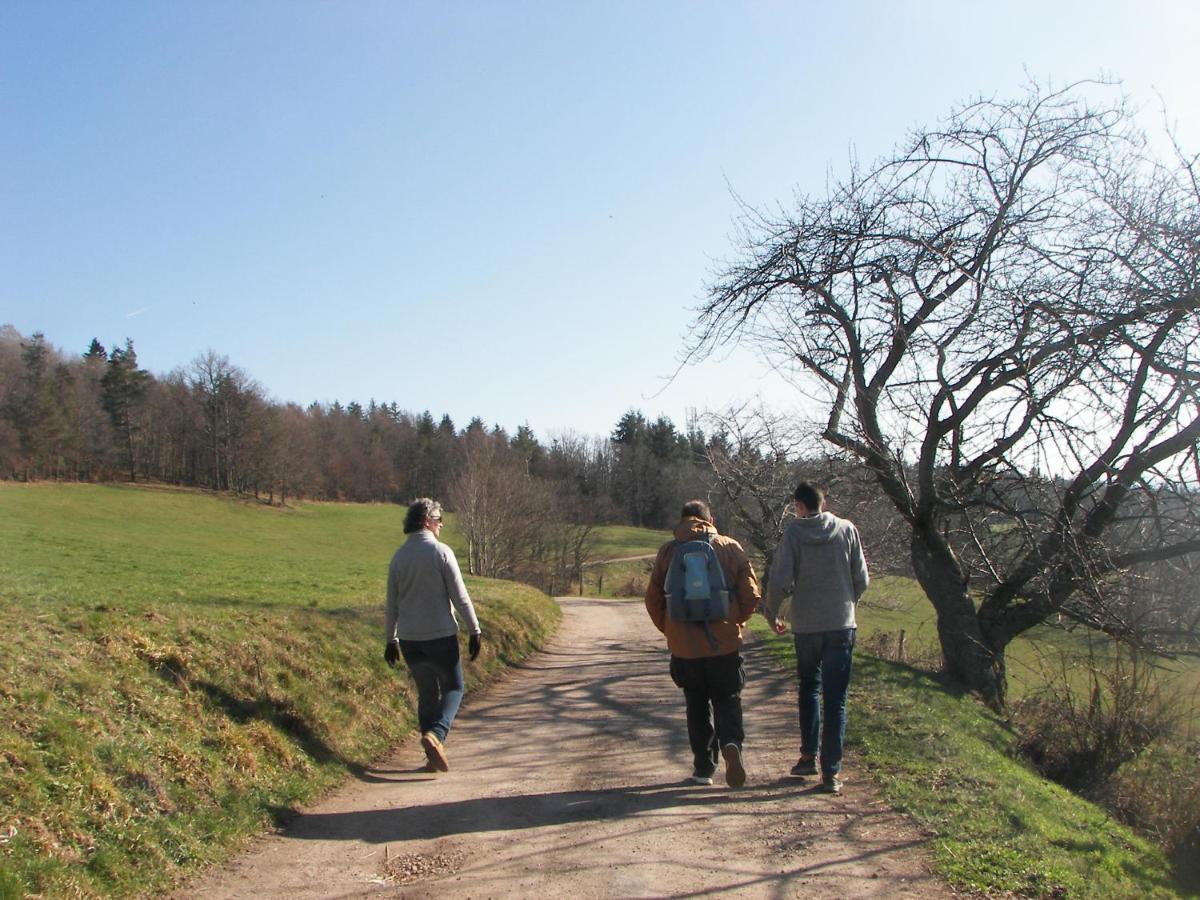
x,y
473,646
391,654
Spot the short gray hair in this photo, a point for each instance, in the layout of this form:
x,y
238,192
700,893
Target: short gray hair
x,y
418,511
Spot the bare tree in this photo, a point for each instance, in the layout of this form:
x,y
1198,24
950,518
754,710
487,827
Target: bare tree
x,y
752,454
230,399
570,537
1000,321
758,456
502,510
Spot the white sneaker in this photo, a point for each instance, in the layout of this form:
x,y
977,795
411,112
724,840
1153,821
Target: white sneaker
x,y
697,778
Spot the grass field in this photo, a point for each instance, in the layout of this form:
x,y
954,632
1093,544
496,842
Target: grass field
x,y
626,578
180,669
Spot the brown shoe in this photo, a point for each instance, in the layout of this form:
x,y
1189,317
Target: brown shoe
x,y
435,752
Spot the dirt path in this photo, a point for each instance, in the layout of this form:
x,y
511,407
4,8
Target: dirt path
x,y
619,559
567,781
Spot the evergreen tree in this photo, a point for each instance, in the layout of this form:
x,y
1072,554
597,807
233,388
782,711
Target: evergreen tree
x,y
123,387
96,351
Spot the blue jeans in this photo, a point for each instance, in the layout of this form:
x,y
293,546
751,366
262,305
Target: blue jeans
x,y
436,667
823,668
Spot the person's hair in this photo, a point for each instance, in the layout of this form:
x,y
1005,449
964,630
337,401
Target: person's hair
x,y
418,511
810,495
696,508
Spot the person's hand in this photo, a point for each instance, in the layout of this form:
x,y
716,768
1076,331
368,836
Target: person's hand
x,y
391,654
780,627
473,643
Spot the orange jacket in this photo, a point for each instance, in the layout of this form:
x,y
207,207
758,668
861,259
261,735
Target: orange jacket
x,y
687,639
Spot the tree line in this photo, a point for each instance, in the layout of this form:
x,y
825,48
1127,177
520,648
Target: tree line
x,y
99,416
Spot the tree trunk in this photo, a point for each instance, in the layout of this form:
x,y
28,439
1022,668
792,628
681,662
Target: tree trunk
x,y
129,450
969,660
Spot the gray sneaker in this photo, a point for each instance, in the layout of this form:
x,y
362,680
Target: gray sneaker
x,y
831,784
735,772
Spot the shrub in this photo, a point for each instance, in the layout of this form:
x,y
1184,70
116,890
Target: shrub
x,y
1115,737
1080,734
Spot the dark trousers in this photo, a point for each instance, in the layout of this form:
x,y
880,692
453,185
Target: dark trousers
x,y
823,669
436,667
712,688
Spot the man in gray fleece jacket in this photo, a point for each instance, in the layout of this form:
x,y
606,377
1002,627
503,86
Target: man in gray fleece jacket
x,y
820,563
424,588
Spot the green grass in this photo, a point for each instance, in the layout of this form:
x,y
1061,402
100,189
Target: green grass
x,y
179,669
627,578
995,825
617,541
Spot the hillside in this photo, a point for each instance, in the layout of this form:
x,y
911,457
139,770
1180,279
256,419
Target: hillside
x,y
181,669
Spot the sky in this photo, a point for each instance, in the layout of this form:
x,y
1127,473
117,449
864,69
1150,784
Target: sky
x,y
507,210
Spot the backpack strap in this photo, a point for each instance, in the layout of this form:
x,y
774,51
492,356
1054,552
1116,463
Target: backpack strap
x,y
712,638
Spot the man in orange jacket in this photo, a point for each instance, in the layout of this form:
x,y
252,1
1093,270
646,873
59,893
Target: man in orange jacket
x,y
706,659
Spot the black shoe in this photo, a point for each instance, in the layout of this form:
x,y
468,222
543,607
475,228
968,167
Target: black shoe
x,y
806,766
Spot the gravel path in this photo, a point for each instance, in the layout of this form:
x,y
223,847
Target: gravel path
x,y
567,781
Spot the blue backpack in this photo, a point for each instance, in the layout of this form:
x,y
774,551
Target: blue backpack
x,y
695,585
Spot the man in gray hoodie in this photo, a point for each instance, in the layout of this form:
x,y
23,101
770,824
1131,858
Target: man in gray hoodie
x,y
424,588
820,563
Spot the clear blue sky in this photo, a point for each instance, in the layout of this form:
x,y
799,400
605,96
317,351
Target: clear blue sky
x,y
502,209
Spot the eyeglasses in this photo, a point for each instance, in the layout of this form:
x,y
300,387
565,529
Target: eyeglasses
x,y
437,520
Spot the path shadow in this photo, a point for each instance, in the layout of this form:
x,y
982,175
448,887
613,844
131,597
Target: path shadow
x,y
512,813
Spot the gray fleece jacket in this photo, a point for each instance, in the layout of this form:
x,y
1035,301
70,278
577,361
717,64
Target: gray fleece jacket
x,y
423,581
820,562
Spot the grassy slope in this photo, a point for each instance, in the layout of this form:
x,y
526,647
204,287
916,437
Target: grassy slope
x,y
617,541
995,825
179,668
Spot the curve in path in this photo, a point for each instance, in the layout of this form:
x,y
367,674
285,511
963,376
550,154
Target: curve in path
x,y
567,781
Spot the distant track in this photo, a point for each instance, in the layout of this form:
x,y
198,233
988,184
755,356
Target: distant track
x,y
619,559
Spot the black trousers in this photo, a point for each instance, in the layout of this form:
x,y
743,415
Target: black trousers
x,y
712,688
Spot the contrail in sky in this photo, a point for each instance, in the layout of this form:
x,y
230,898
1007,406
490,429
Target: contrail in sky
x,y
138,312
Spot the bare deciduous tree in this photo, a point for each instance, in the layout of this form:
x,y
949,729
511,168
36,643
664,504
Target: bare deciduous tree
x,y
752,454
502,510
1001,321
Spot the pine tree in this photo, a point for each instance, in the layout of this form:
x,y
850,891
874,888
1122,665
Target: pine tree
x,y
123,386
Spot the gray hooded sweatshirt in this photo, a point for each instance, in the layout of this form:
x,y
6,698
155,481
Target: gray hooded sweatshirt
x,y
820,562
